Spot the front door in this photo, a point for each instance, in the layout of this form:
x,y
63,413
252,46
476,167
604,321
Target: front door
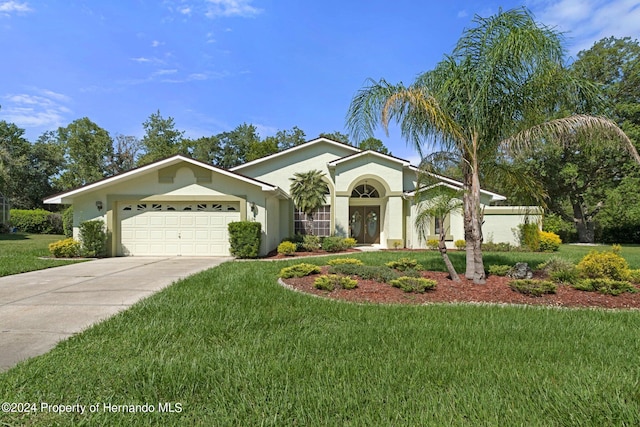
x,y
364,222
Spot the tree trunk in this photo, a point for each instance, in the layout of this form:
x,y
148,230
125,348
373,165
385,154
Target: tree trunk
x,y
479,275
585,226
443,251
468,226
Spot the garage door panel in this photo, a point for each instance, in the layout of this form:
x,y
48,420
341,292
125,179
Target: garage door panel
x,y
168,229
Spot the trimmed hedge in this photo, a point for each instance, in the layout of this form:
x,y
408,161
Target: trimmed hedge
x,y
244,238
38,221
93,238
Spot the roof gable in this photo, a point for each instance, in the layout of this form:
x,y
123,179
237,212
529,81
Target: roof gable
x,y
142,170
361,154
305,146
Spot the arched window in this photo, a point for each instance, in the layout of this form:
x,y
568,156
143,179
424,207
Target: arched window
x,y
365,191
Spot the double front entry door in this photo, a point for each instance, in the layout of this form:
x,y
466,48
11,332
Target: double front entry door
x,y
364,222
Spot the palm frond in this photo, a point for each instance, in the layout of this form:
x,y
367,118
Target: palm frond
x,y
597,129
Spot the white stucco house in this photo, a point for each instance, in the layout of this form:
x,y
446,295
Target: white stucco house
x,y
180,206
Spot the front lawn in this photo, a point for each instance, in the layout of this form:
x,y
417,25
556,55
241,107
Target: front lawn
x,y
229,346
21,252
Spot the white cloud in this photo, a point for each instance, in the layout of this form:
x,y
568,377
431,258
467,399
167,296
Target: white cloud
x,y
7,7
584,22
42,109
226,8
156,43
141,59
185,10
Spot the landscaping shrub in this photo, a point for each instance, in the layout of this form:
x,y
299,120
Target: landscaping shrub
x,y
564,229
412,272
67,222
634,276
533,287
366,272
332,281
605,286
340,261
604,265
334,244
529,236
433,244
404,264
349,242
67,248
549,242
299,270
93,238
38,221
244,238
297,239
287,248
413,284
460,244
499,269
560,270
497,247
310,243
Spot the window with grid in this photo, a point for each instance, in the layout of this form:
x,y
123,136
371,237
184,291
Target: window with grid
x,y
321,221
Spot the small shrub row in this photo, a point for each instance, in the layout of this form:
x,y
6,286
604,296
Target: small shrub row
x,y
560,270
460,244
605,286
299,270
337,243
403,264
331,281
533,287
497,247
413,284
366,272
340,261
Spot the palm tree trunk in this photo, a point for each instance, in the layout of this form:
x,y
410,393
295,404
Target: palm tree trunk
x,y
443,251
468,225
476,263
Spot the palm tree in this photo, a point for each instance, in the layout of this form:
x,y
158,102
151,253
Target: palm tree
x,y
309,193
436,203
504,76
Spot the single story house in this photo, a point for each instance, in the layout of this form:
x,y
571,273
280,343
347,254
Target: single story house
x,y
181,206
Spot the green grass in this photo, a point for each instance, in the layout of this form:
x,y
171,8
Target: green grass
x,y
234,348
21,252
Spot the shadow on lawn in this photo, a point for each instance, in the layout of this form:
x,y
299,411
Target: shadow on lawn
x,y
13,236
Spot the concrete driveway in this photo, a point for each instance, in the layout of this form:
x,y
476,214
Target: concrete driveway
x,y
40,308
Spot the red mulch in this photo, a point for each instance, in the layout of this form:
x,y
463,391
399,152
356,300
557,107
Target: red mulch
x,y
496,291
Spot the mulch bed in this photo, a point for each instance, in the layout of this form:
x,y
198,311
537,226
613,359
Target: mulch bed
x,y
495,291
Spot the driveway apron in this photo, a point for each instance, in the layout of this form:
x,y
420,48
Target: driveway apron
x,y
40,308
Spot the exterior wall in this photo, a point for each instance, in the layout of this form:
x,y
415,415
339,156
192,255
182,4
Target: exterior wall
x,y
278,169
501,222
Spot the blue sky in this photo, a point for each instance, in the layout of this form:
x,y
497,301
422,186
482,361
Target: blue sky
x,y
215,64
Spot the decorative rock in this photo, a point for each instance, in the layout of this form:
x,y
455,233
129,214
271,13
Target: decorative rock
x,y
520,271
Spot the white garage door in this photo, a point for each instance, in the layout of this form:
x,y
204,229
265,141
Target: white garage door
x,y
188,229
